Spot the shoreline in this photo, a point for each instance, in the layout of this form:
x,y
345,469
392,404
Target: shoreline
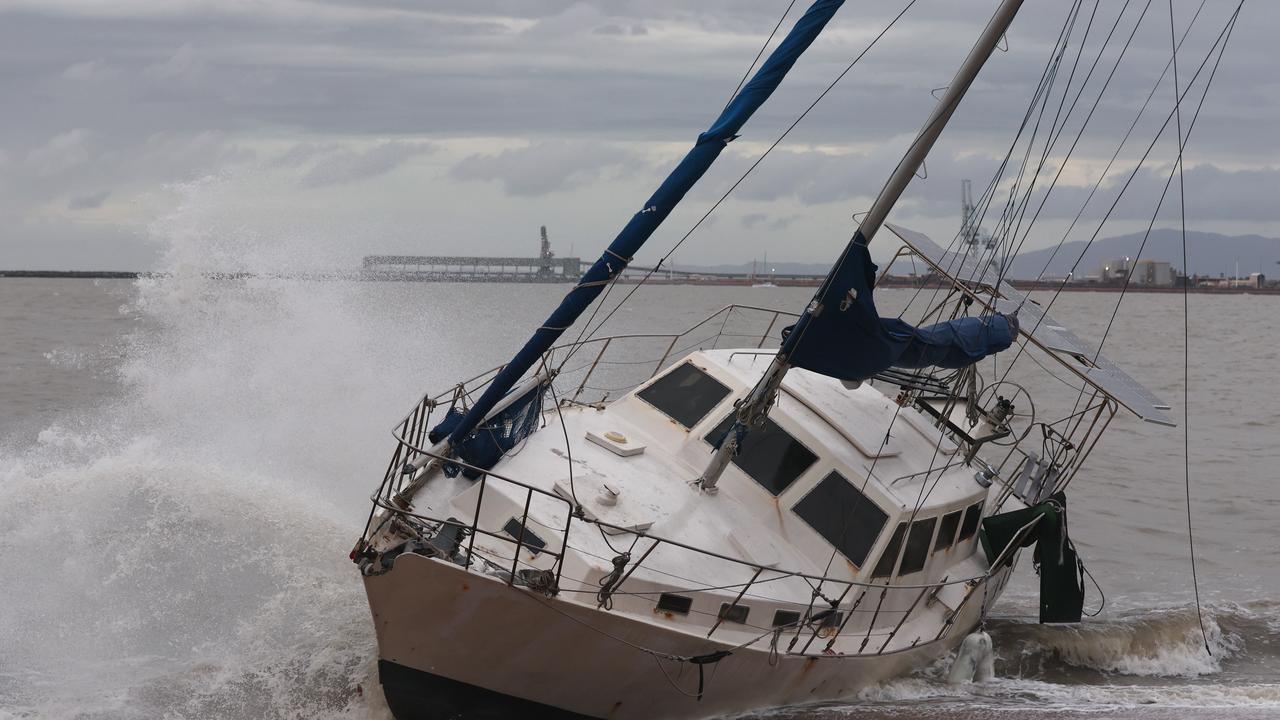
x,y
891,281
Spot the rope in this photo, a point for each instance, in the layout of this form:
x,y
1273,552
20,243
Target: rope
x,y
568,448
1186,321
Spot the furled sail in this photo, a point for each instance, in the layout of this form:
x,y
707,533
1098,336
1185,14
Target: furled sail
x,y
848,339
655,210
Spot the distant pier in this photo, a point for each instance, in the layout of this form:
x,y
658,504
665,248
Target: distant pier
x,y
545,268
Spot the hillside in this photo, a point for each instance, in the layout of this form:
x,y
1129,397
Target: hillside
x,y
1207,254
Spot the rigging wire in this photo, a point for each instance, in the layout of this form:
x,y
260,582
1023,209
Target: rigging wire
x,y
1041,99
609,289
1010,251
1043,87
1186,321
1124,188
658,265
760,54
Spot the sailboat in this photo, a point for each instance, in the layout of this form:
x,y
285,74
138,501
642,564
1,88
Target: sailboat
x,y
834,502
762,283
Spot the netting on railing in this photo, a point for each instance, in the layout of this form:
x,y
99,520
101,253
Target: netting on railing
x,y
493,438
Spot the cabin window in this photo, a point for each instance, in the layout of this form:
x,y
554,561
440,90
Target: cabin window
x,y
768,455
734,613
843,516
672,603
918,545
889,559
947,530
970,526
829,619
685,394
530,541
785,618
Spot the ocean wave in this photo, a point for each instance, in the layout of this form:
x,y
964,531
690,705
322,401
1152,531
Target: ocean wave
x,y
1048,696
1153,643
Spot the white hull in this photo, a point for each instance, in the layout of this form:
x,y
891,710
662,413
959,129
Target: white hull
x,y
435,617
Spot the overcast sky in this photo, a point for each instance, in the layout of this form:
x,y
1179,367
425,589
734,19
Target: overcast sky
x,y
307,133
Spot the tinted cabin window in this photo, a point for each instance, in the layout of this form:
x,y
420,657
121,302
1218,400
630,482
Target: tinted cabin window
x,y
971,517
889,559
845,517
918,545
947,531
672,603
685,394
769,455
785,618
734,613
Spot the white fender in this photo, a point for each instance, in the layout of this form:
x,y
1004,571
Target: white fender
x,y
975,660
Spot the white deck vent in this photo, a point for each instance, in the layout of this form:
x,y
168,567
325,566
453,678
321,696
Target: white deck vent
x,y
616,443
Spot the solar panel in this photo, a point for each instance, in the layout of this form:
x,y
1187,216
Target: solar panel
x,y
967,271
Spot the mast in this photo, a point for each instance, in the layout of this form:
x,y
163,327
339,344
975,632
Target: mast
x,y
643,224
755,407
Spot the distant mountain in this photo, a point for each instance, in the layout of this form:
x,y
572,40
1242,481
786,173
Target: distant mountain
x,y
782,268
1207,254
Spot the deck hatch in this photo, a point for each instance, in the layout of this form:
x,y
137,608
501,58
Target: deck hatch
x,y
768,454
843,516
685,394
734,613
672,603
530,541
918,541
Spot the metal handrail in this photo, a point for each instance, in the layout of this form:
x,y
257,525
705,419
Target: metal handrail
x,y
471,383
660,539
411,431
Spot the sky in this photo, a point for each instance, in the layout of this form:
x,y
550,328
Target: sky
x,y
304,134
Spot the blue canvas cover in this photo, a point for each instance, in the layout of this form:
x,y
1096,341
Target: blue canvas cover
x,y
484,446
848,339
655,210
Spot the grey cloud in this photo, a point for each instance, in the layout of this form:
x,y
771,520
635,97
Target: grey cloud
x,y
183,62
546,167
61,153
303,153
88,202
612,29
346,165
84,70
754,221
131,94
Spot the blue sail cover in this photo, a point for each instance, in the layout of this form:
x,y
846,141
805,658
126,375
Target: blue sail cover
x,y
655,210
848,339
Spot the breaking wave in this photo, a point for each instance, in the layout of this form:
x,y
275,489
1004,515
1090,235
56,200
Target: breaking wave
x,y
180,551
1155,643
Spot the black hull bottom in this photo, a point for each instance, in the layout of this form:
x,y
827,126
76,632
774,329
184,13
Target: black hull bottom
x,y
417,695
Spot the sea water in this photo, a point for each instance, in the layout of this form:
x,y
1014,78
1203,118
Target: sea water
x,y
186,461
